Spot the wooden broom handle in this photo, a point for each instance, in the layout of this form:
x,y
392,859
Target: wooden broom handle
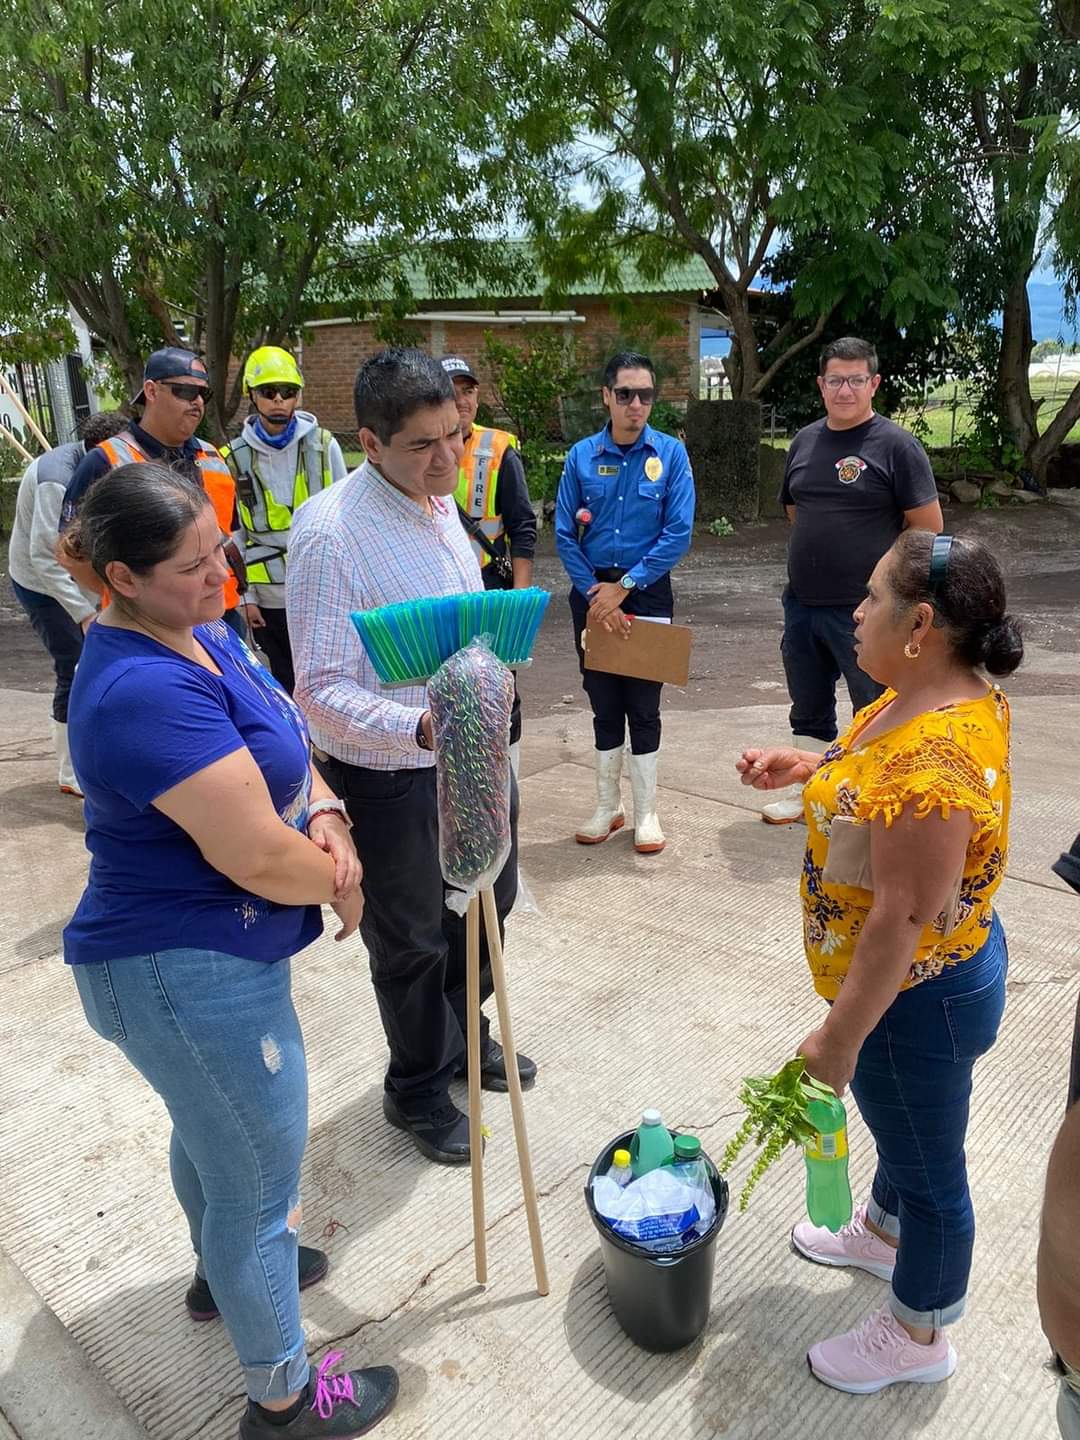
x,y
13,397
476,1133
517,1108
10,438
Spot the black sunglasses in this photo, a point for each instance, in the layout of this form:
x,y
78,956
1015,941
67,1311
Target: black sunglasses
x,y
625,393
187,393
277,392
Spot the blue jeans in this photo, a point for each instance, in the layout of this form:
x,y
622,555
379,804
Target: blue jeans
x,y
913,1088
1068,1412
218,1039
818,646
60,635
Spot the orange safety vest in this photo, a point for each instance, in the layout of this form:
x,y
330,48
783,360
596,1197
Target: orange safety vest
x,y
217,481
478,478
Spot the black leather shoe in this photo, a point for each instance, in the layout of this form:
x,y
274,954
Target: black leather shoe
x,y
442,1135
493,1069
312,1265
337,1407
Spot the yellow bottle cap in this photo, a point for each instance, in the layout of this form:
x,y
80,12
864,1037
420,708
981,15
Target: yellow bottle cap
x,y
621,1158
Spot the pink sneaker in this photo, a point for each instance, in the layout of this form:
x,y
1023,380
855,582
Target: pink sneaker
x,y
877,1353
853,1245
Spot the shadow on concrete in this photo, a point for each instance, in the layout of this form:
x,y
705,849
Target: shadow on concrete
x,y
602,1348
758,854
33,804
41,943
757,1382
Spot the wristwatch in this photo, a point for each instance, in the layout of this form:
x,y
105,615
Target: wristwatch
x,y
628,582
328,807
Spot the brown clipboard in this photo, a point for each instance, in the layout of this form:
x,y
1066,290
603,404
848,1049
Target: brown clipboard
x,y
650,652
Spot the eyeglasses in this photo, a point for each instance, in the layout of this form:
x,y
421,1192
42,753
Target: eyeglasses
x,y
625,393
277,392
187,393
837,382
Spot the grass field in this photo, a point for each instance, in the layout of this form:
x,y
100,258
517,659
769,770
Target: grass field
x,y
949,416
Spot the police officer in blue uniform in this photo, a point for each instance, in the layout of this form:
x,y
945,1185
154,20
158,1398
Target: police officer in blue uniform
x,y
622,523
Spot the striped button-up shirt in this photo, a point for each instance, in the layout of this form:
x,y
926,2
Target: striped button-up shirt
x,y
358,545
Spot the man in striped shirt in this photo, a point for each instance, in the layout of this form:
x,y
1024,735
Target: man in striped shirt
x,y
389,532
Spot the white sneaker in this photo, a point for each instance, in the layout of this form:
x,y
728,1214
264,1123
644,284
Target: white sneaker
x,y
854,1245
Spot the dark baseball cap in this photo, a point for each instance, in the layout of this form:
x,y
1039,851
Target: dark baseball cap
x,y
167,364
456,365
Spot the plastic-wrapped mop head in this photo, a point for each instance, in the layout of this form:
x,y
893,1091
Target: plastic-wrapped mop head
x,y
470,696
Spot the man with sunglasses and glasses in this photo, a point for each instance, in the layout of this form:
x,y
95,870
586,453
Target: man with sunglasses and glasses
x,y
281,457
852,482
174,396
623,521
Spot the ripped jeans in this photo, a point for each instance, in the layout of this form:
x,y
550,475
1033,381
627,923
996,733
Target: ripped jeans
x,y
218,1039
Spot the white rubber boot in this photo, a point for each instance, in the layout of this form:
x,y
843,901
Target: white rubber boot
x,y
609,814
67,779
789,810
515,758
648,837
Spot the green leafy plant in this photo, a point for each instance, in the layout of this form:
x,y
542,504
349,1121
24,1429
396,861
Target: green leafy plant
x,y
776,1116
721,526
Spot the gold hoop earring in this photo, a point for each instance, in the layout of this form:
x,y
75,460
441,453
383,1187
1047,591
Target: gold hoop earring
x,y
912,651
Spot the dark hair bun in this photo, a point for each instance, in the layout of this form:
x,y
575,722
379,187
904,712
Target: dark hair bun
x,y
1002,646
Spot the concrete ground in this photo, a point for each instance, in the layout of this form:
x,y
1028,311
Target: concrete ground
x,y
641,980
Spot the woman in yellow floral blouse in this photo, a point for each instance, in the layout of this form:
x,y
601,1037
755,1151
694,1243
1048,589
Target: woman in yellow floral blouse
x,y
907,816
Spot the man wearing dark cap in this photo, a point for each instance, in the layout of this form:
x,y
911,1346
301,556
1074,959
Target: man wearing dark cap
x,y
493,502
174,396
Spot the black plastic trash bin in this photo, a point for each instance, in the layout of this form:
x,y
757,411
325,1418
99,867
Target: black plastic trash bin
x,y
661,1301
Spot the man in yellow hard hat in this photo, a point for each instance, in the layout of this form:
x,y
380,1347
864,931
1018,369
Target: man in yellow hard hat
x,y
280,458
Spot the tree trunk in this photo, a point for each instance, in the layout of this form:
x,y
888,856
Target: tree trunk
x,y
1015,405
1037,458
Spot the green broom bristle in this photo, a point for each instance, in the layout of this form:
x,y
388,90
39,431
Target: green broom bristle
x,y
408,641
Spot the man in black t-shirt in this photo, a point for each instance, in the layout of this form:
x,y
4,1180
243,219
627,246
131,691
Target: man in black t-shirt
x,y
852,482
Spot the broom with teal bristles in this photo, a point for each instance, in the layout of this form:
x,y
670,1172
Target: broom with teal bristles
x,y
407,642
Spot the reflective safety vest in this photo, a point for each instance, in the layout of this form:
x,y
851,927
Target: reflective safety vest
x,y
263,517
216,479
478,479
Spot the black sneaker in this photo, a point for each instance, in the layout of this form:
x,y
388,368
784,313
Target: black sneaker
x,y
442,1135
312,1265
493,1069
338,1406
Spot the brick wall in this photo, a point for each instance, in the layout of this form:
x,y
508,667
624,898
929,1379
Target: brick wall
x,y
332,354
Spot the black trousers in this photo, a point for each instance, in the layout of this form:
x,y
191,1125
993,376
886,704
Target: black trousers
x,y
60,635
617,701
416,945
273,641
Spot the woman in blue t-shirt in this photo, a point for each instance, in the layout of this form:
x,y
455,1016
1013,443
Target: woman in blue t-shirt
x,y
213,844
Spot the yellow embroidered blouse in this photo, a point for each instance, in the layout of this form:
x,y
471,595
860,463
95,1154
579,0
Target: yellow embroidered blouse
x,y
956,757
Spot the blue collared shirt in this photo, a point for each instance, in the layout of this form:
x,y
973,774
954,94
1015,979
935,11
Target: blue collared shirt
x,y
641,502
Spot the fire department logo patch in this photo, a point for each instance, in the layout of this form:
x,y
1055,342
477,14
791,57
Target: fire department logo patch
x,y
849,469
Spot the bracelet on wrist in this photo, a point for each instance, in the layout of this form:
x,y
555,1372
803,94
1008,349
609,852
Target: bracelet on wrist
x,y
328,806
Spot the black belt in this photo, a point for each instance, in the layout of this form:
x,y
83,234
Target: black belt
x,y
610,574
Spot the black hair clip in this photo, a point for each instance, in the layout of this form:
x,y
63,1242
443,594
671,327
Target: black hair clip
x,y
939,563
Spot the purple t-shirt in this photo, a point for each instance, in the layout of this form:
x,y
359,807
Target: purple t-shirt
x,y
142,719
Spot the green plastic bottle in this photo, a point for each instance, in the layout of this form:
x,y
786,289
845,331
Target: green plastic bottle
x,y
828,1194
651,1146
685,1150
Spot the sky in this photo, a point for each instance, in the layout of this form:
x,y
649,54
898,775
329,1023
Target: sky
x,y
1047,317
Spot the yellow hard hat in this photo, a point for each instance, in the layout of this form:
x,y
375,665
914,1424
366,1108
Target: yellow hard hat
x,y
270,365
